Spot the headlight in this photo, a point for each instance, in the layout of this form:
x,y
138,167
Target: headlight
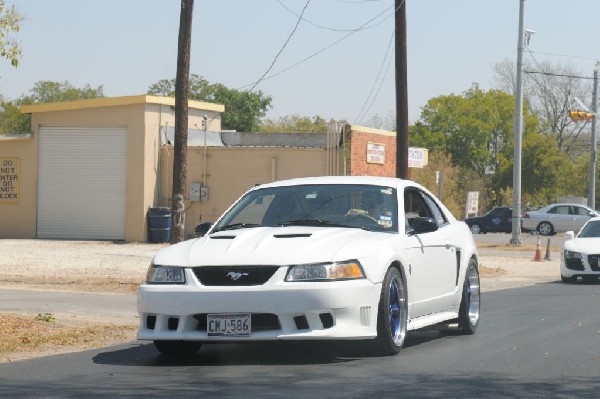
x,y
325,271
165,275
572,255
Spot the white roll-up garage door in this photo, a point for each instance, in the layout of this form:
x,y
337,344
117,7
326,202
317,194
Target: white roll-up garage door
x,y
82,182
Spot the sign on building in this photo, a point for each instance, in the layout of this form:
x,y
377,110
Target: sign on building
x,y
375,153
9,180
417,157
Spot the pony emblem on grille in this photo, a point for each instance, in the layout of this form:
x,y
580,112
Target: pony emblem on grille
x,y
236,276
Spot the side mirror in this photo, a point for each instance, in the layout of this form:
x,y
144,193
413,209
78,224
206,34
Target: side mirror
x,y
202,229
422,225
569,235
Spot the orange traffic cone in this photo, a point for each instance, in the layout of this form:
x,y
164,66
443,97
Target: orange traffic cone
x,y
547,257
538,251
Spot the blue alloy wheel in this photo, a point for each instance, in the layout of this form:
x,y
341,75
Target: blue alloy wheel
x,y
469,311
397,329
392,317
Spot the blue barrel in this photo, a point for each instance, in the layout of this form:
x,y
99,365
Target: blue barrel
x,y
159,224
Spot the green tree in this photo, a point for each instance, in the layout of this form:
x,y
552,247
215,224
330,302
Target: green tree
x,y
10,22
243,109
544,167
13,121
473,128
294,124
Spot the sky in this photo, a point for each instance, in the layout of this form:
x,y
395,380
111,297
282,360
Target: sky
x,y
328,67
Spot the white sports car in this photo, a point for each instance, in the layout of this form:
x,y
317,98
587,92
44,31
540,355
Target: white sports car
x,y
323,258
581,254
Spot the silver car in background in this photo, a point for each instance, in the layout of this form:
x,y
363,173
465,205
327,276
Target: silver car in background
x,y
557,218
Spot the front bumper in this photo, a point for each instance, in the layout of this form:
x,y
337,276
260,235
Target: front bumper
x,y
280,310
588,265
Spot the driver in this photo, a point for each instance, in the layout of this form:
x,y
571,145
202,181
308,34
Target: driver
x,y
371,206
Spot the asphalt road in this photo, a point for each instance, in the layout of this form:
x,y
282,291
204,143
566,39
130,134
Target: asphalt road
x,y
538,341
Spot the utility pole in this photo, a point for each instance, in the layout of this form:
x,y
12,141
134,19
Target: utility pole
x,y
592,194
518,133
401,91
181,121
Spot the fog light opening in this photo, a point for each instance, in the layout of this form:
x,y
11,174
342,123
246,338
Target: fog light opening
x,y
301,322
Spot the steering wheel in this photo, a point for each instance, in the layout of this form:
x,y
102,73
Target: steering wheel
x,y
369,220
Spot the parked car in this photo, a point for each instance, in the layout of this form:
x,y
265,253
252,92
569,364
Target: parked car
x,y
323,258
497,220
580,256
556,218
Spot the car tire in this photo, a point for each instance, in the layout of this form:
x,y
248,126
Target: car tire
x,y
392,315
545,228
475,229
470,305
177,347
568,280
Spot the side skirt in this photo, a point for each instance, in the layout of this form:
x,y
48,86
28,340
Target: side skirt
x,y
431,319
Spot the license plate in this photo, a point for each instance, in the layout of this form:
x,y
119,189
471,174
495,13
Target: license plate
x,y
228,325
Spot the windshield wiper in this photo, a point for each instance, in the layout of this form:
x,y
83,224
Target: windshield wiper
x,y
315,222
235,226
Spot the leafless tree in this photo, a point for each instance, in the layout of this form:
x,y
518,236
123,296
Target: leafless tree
x,y
549,91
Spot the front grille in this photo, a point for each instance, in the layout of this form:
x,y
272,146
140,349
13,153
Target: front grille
x,y
594,261
260,322
234,275
574,264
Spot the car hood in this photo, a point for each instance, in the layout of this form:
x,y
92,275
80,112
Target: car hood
x,y
273,245
584,245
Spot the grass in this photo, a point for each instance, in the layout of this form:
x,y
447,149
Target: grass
x,y
27,336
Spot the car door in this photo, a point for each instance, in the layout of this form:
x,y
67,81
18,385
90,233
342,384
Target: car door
x,y
432,257
495,220
581,215
505,216
560,217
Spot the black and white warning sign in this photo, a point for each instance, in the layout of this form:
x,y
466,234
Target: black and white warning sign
x,y
9,180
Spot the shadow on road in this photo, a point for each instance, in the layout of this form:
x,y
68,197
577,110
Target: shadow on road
x,y
255,353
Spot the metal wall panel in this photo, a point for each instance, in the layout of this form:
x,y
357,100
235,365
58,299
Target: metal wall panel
x,y
82,182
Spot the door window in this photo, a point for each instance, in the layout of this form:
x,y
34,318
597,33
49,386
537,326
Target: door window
x,y
561,210
418,204
580,211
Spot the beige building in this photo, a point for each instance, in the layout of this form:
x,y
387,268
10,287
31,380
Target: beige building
x,y
89,168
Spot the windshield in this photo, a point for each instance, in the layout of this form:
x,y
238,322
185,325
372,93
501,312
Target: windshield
x,y
332,205
590,230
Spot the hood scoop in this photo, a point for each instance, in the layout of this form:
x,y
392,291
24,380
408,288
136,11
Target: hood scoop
x,y
221,237
304,235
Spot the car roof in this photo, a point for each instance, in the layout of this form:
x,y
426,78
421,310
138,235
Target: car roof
x,y
566,203
371,180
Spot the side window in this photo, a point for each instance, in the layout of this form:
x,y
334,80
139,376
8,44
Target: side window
x,y
418,204
581,211
560,210
438,215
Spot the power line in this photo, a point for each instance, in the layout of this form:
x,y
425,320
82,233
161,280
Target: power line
x,y
321,50
383,62
566,55
282,47
326,27
559,75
